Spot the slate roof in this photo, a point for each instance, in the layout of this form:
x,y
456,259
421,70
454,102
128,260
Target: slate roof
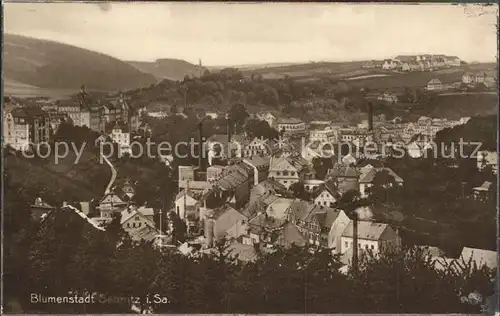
x,y
27,112
237,174
366,230
290,235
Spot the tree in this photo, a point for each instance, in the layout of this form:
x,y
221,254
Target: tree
x,y
238,114
299,191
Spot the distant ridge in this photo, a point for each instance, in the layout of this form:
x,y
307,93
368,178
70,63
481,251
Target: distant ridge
x,y
165,68
51,65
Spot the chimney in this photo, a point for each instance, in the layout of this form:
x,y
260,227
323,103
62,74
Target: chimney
x,y
370,116
228,136
82,88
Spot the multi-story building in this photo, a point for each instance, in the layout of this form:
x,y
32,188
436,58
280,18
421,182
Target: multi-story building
x,y
372,236
25,127
120,134
434,84
324,135
291,126
84,110
287,170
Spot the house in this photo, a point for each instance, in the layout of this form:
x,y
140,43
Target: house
x,y
322,226
39,208
291,126
214,173
24,127
372,236
389,64
388,97
312,184
481,192
218,221
139,226
434,84
91,112
185,201
344,176
129,114
473,78
109,204
111,113
120,134
287,170
414,150
367,177
260,166
326,194
289,236
487,158
324,135
277,206
260,146
236,184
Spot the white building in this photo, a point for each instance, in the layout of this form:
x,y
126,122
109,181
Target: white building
x,y
487,158
120,134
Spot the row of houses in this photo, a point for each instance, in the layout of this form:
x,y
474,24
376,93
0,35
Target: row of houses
x,y
26,125
408,63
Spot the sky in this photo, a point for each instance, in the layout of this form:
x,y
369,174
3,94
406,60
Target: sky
x,y
239,34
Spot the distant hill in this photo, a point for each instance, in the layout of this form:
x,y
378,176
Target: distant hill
x,y
172,69
31,63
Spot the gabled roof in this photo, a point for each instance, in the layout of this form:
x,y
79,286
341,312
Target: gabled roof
x,y
329,186
434,81
290,235
366,230
27,112
265,222
236,175
279,206
369,175
299,210
342,170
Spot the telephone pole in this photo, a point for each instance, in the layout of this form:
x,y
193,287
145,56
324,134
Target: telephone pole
x,y
355,242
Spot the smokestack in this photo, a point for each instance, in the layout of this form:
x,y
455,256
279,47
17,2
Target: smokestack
x,y
370,116
228,136
200,161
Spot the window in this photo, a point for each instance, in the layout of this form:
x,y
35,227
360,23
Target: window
x,y
278,173
346,244
285,173
137,218
372,247
292,173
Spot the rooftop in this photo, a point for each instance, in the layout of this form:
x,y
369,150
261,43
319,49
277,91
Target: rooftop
x,y
366,230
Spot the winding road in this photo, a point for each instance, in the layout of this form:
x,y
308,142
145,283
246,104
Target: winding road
x,y
113,175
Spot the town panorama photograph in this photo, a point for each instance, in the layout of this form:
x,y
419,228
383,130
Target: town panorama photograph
x,y
249,158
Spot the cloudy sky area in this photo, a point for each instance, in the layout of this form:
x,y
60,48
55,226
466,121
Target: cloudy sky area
x,y
236,34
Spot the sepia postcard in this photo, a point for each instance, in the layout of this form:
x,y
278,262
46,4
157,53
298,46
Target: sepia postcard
x,y
249,158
